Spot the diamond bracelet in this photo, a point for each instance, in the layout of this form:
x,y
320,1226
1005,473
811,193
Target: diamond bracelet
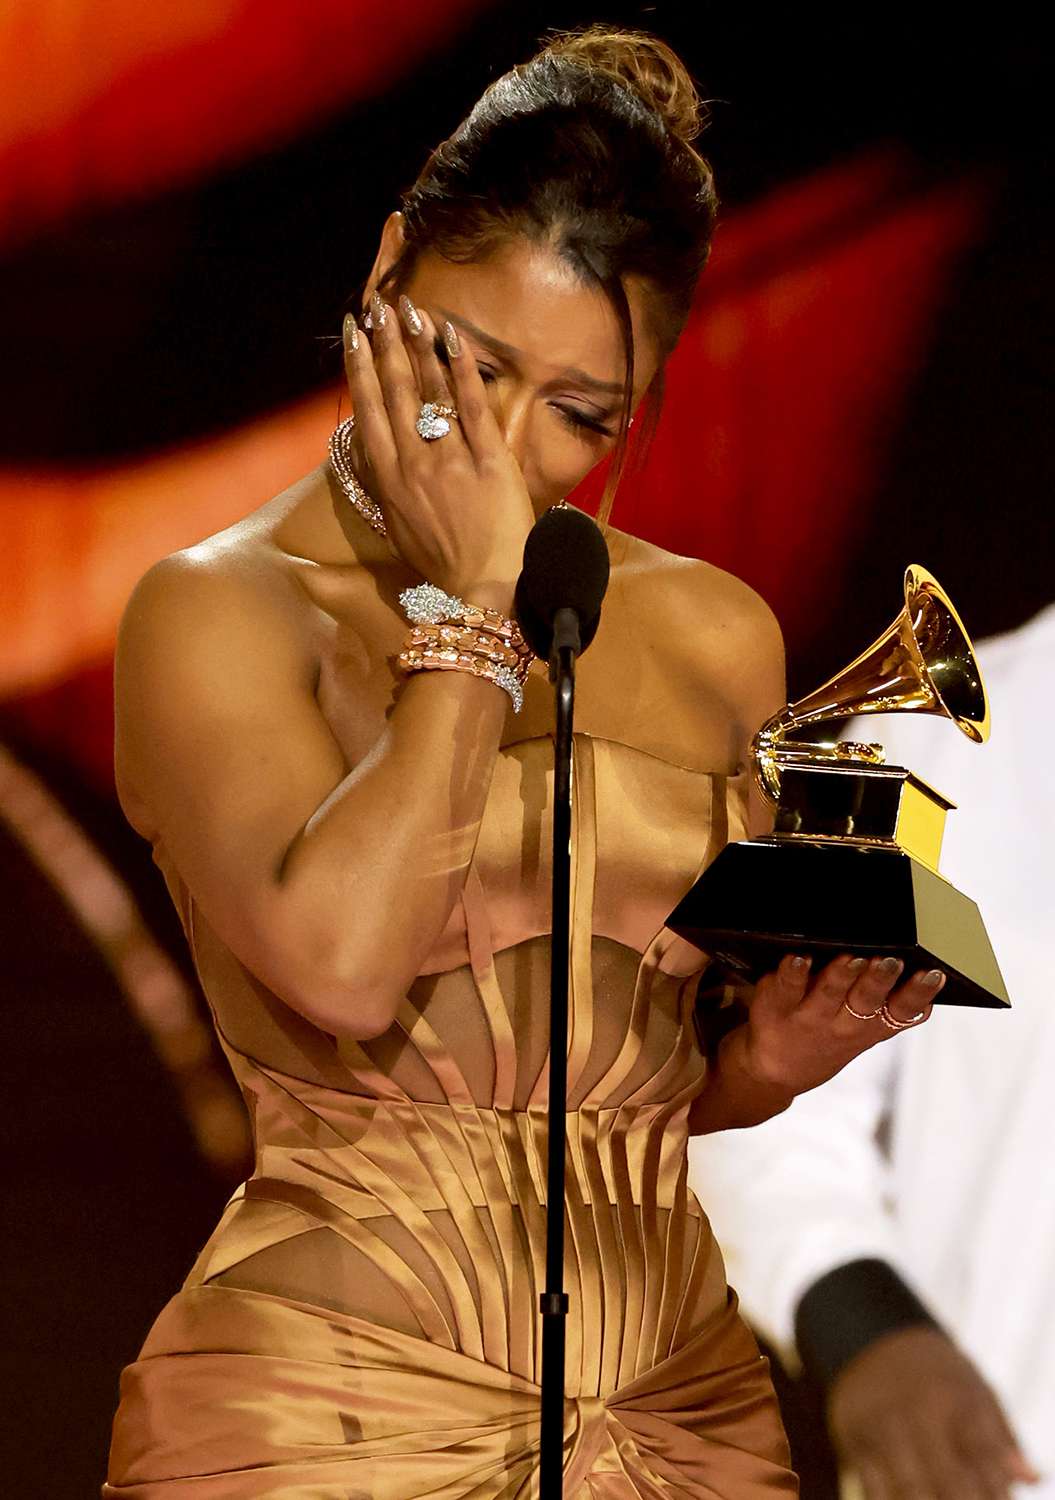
x,y
428,605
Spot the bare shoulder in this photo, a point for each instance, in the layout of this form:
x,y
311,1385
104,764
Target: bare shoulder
x,y
208,622
252,566
214,594
714,606
708,645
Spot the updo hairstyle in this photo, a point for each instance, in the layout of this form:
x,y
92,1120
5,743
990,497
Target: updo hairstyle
x,y
586,148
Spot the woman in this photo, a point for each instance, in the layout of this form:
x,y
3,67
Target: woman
x,y
357,844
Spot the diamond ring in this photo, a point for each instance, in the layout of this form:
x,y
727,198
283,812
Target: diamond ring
x,y
434,420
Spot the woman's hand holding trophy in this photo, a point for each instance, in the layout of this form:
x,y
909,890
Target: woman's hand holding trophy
x,y
799,1033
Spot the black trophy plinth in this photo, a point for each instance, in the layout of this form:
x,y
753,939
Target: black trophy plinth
x,y
844,882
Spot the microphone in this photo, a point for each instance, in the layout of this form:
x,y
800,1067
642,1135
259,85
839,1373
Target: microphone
x,y
558,596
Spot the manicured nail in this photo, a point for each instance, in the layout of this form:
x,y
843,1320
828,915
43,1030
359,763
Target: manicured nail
x,y
351,331
411,315
890,966
933,979
857,964
451,339
800,961
378,311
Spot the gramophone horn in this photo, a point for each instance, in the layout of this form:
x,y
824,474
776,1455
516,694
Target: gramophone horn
x,y
923,663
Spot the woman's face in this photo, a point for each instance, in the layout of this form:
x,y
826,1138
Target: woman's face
x,y
549,350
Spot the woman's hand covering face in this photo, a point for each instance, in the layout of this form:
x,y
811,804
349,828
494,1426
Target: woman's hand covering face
x,y
456,508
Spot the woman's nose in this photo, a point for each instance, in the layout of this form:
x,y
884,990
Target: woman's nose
x,y
513,416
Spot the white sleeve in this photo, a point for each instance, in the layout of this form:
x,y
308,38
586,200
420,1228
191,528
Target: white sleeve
x,y
803,1193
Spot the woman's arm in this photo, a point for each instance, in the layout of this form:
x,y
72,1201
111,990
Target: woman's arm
x,y
330,883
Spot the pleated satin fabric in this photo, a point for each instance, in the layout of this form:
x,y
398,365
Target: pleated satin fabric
x,y
364,1320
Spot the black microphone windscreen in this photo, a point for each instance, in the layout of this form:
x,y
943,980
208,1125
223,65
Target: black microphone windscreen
x,y
566,566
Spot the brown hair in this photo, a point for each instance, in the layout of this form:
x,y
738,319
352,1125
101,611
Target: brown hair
x,y
587,147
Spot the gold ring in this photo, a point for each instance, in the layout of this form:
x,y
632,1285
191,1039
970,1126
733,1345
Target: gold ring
x,y
894,1024
857,1014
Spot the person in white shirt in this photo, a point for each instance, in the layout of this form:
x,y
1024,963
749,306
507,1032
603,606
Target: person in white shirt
x,y
894,1229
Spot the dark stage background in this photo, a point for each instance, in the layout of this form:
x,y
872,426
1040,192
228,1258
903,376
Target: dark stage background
x,y
188,198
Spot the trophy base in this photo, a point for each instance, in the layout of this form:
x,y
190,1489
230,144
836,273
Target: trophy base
x,y
764,897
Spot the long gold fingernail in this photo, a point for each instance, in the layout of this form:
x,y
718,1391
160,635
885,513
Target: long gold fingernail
x,y
411,315
451,339
934,979
351,331
890,966
379,310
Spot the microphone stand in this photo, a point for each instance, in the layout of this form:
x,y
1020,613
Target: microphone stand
x,y
554,1300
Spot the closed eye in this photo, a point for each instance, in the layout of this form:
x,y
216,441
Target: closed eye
x,y
578,421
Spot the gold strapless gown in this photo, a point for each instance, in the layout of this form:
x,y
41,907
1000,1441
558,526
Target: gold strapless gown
x,y
363,1323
